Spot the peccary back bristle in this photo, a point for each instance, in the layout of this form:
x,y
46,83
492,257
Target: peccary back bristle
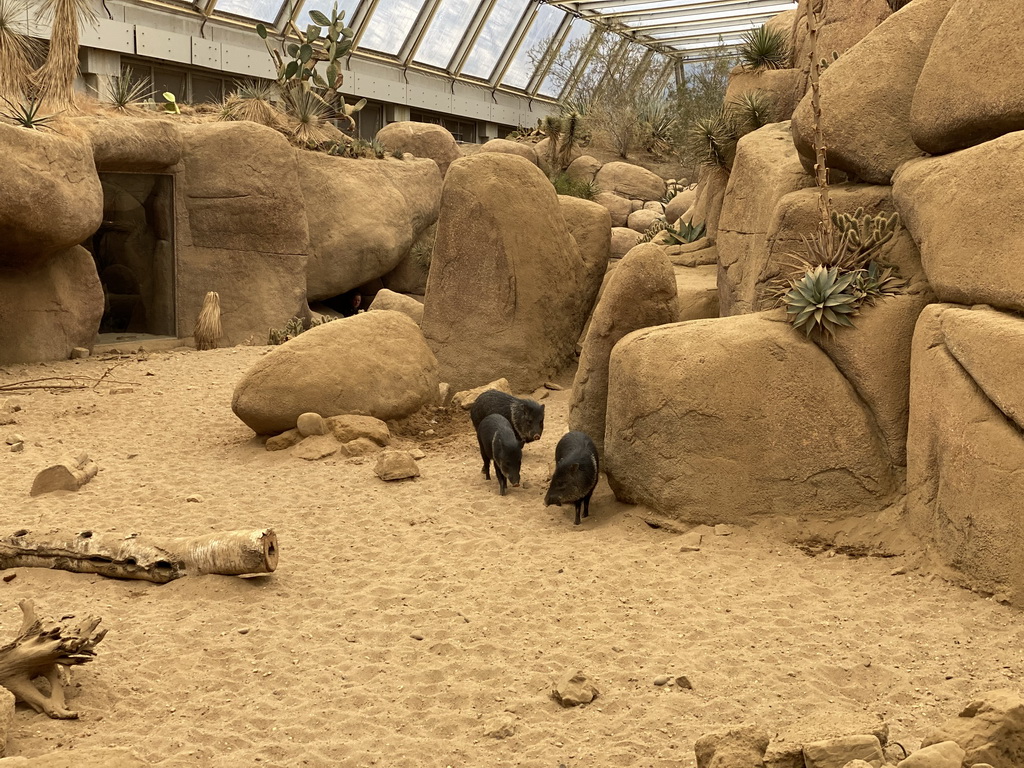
x,y
526,416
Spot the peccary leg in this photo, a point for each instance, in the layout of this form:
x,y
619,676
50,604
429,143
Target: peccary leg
x,y
502,482
487,462
586,504
578,505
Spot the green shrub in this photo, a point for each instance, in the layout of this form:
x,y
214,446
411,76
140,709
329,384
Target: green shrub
x,y
765,48
564,185
26,114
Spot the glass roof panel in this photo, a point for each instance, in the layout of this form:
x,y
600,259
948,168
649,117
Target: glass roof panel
x,y
494,37
445,32
266,11
390,24
567,57
535,44
325,7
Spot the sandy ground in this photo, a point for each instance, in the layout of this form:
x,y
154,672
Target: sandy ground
x,y
316,665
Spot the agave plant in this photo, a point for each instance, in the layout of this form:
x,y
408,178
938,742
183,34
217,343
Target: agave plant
x,y
875,281
765,48
125,92
685,232
821,301
25,113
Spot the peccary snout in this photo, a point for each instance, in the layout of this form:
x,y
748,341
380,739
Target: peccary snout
x,y
576,473
498,443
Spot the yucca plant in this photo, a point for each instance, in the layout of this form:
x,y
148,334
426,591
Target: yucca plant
x,y
17,49
25,113
765,48
309,113
821,302
712,139
55,79
125,93
253,101
657,126
752,110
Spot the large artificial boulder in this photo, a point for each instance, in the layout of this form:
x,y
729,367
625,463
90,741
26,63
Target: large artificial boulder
x,y
421,140
364,216
708,200
679,204
632,182
641,292
964,446
623,240
51,197
243,235
48,309
944,754
969,89
544,159
398,302
691,402
967,217
511,148
371,364
989,730
841,25
503,295
410,276
583,168
866,96
618,207
590,226
697,292
781,88
132,144
837,753
766,169
640,221
874,357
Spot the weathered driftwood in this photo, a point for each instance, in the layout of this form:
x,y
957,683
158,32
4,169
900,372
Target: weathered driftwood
x,y
39,650
140,557
70,474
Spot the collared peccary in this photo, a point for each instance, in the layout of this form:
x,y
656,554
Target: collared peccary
x,y
498,443
525,416
575,476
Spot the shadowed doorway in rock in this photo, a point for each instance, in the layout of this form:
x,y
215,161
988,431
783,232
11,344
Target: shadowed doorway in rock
x,y
134,254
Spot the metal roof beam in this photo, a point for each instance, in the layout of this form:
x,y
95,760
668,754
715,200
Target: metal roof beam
x,y
720,11
722,25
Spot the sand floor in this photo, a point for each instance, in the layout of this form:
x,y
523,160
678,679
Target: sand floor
x,y
316,665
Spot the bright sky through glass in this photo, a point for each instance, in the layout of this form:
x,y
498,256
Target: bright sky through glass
x,y
571,51
494,37
260,10
445,32
390,24
536,42
325,7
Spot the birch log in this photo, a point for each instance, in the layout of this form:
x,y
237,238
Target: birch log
x,y
140,557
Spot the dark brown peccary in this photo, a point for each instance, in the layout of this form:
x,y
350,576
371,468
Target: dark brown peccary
x,y
525,416
498,443
576,473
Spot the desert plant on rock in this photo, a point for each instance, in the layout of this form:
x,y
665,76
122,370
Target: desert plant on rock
x,y
712,139
253,101
124,92
310,97
820,301
208,327
657,126
684,232
294,327
582,188
25,113
765,48
752,110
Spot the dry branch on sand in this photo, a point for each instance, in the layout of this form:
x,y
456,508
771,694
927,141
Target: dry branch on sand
x,y
233,553
65,382
39,650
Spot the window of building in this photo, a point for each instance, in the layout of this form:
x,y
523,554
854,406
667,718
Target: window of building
x,y
494,37
535,45
390,25
445,32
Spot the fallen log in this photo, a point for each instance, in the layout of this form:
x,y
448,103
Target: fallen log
x,y
134,556
39,650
